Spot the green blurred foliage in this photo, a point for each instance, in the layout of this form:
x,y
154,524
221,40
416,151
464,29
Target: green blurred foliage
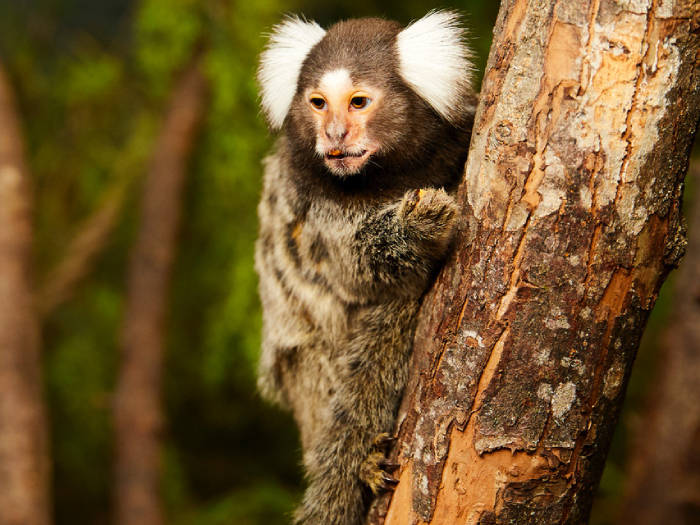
x,y
93,78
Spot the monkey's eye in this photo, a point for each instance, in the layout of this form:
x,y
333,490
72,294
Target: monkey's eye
x,y
318,102
359,102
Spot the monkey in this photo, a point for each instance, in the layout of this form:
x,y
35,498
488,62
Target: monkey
x,y
356,214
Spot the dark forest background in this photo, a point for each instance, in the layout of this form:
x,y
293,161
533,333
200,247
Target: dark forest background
x,y
93,79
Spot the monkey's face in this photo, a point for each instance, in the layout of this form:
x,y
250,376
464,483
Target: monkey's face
x,y
342,112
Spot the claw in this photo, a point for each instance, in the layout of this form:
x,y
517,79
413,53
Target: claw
x,y
390,480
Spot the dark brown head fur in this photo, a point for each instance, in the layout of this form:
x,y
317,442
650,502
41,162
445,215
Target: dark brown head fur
x,y
414,137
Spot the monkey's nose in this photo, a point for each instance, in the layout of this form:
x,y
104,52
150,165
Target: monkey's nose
x,y
336,131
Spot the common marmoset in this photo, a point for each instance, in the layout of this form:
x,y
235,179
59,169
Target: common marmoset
x,y
355,216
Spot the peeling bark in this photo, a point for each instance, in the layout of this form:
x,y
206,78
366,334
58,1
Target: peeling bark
x,y
24,457
663,484
137,404
571,221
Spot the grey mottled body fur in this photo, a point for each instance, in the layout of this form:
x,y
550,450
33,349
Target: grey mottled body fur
x,y
343,262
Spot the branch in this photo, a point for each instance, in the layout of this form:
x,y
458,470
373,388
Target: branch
x,y
82,251
571,219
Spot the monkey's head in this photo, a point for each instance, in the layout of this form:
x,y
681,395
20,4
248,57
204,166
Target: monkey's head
x,y
367,91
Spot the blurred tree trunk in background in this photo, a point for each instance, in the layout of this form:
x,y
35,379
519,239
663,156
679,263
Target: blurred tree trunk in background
x,y
571,222
663,485
24,458
137,403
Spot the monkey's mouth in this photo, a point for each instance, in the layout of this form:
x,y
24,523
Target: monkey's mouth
x,y
336,154
343,162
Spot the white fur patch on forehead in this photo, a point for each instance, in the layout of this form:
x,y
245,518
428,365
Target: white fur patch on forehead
x,y
280,64
435,61
336,81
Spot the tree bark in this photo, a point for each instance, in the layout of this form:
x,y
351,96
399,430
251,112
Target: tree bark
x,y
571,221
24,458
137,403
663,484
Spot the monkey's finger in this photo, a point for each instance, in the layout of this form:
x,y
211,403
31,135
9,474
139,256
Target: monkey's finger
x,y
384,440
412,201
389,466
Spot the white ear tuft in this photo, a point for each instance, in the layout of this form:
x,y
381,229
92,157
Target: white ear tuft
x,y
435,61
280,63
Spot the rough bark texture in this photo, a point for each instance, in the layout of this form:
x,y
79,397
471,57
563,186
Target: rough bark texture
x,y
24,460
664,478
138,414
571,221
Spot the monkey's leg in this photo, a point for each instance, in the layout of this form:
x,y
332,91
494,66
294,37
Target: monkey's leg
x,y
336,495
339,459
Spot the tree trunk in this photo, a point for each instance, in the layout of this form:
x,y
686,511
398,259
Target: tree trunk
x,y
24,458
137,404
663,484
571,221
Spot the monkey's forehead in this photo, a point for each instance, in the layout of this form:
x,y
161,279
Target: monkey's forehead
x,y
366,47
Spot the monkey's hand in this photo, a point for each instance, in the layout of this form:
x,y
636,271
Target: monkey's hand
x,y
431,214
400,244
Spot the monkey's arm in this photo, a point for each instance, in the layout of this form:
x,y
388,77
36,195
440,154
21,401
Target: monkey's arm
x,y
400,244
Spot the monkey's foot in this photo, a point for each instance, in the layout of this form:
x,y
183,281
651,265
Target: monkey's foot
x,y
374,472
375,469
